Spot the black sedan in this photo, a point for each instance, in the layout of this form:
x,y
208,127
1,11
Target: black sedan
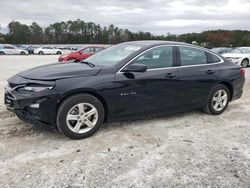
x,y
126,81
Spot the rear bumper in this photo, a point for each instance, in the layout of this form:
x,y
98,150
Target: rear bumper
x,y
238,88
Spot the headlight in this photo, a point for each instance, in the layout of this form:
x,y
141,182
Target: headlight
x,y
34,88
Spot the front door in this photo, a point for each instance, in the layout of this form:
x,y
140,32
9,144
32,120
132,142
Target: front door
x,y
153,91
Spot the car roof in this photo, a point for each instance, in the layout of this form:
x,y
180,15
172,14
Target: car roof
x,y
151,43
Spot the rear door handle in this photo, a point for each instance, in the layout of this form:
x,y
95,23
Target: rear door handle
x,y
210,72
170,75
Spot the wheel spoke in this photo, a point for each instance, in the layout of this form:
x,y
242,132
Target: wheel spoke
x,y
88,123
81,108
91,112
224,97
216,105
72,117
77,126
219,93
215,99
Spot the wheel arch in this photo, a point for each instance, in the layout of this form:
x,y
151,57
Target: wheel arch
x,y
229,86
90,92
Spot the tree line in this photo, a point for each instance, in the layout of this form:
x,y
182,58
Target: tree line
x,y
81,32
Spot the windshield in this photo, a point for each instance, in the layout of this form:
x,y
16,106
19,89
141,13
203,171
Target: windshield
x,y
241,50
113,55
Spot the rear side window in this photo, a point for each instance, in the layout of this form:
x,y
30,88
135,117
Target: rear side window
x,y
159,57
212,58
88,50
192,56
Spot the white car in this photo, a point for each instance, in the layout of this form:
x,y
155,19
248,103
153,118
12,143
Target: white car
x,y
47,50
240,56
12,50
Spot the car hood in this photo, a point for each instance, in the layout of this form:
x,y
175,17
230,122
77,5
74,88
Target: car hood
x,y
234,55
59,71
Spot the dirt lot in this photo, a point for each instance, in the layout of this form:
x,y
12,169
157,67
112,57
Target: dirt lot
x,y
185,150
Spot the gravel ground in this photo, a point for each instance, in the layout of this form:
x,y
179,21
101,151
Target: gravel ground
x,y
191,149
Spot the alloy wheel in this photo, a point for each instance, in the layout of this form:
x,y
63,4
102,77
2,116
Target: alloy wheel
x,y
244,63
82,117
219,100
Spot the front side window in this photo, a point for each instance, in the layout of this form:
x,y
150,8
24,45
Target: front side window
x,y
98,49
159,57
192,56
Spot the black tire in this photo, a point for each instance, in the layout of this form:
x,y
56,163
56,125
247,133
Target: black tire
x,y
209,108
67,105
40,53
22,53
58,53
2,53
245,63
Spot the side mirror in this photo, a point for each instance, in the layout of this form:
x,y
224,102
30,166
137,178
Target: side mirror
x,y
135,68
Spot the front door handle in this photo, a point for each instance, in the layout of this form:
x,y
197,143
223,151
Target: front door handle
x,y
210,72
170,75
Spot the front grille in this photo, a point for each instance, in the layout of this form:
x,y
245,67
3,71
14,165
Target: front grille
x,y
9,99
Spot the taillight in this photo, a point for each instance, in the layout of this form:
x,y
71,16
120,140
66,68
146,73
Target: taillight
x,y
242,71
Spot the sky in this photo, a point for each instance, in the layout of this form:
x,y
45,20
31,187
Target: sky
x,y
156,16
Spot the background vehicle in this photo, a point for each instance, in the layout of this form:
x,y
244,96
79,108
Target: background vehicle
x,y
240,56
81,54
12,50
126,81
30,49
221,50
47,50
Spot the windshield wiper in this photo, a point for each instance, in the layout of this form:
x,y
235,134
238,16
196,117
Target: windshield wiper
x,y
88,63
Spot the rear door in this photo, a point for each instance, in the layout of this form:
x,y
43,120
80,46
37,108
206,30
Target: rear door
x,y
150,92
197,75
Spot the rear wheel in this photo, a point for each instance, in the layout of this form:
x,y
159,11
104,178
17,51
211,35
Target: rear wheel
x,y
218,100
59,53
245,63
22,53
80,116
41,53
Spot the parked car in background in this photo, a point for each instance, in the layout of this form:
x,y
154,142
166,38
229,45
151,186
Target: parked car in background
x,y
126,81
240,56
12,50
47,50
81,54
221,50
30,49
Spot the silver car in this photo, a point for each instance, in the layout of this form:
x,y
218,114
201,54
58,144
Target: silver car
x,y
12,50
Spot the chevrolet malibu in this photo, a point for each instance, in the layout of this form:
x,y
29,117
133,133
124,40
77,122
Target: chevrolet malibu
x,y
126,81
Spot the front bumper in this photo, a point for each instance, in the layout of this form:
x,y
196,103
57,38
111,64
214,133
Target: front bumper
x,y
38,108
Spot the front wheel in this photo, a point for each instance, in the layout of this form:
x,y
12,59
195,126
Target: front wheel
x,y
80,116
22,53
218,100
41,53
245,63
